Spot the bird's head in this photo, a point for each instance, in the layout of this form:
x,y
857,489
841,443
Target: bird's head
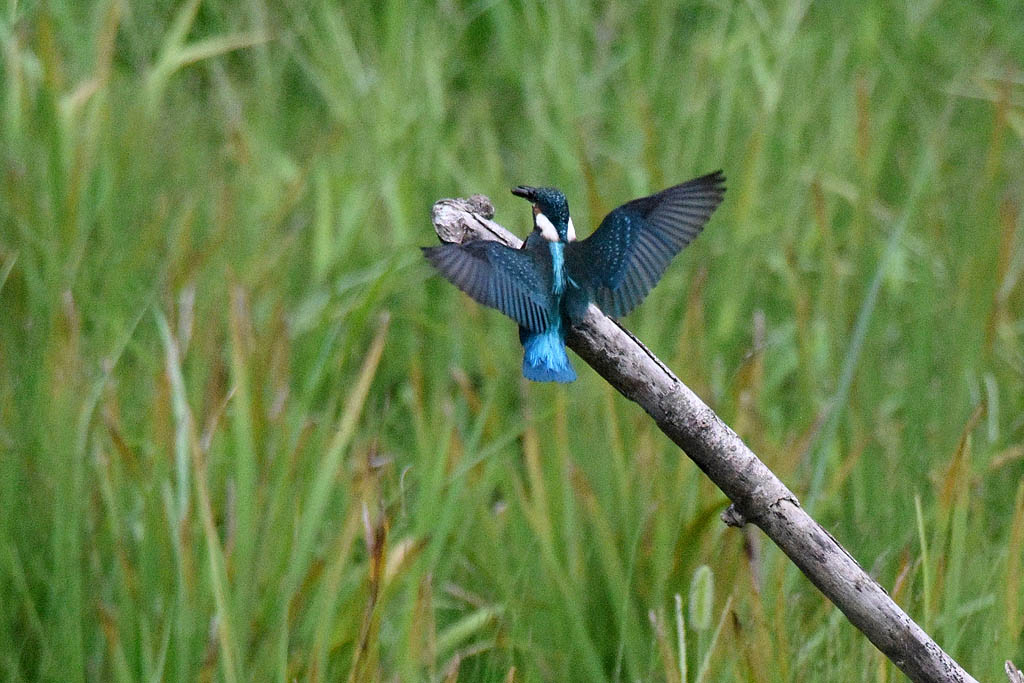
x,y
550,212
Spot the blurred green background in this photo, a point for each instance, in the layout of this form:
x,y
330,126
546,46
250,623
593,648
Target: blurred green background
x,y
245,434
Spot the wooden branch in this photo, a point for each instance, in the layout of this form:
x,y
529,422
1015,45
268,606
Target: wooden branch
x,y
758,496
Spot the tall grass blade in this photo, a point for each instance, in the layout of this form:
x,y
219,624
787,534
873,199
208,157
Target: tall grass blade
x,y
185,432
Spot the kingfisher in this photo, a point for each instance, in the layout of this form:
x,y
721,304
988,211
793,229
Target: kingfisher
x,y
548,283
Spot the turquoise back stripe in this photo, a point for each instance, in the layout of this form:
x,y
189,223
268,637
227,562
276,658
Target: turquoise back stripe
x,y
558,266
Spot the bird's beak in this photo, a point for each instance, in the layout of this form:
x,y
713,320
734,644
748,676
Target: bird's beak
x,y
524,192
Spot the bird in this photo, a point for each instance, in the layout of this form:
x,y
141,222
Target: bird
x,y
547,284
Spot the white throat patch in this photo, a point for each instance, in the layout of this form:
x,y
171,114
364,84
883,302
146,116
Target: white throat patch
x,y
547,228
572,231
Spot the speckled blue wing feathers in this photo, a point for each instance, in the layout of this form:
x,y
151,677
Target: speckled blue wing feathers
x,y
628,253
511,280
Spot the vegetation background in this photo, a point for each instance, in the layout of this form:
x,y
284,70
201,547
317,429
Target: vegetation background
x,y
245,434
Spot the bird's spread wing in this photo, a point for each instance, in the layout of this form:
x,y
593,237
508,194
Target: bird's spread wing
x,y
511,280
628,253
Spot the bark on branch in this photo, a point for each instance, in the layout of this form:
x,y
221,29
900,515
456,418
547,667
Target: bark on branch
x,y
757,495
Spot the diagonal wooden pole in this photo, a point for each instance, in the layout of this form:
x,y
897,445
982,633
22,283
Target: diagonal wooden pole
x,y
757,495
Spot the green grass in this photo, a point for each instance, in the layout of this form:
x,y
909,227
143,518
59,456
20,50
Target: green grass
x,y
246,435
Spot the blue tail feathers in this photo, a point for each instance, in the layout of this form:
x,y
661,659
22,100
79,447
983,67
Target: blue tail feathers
x,y
544,359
